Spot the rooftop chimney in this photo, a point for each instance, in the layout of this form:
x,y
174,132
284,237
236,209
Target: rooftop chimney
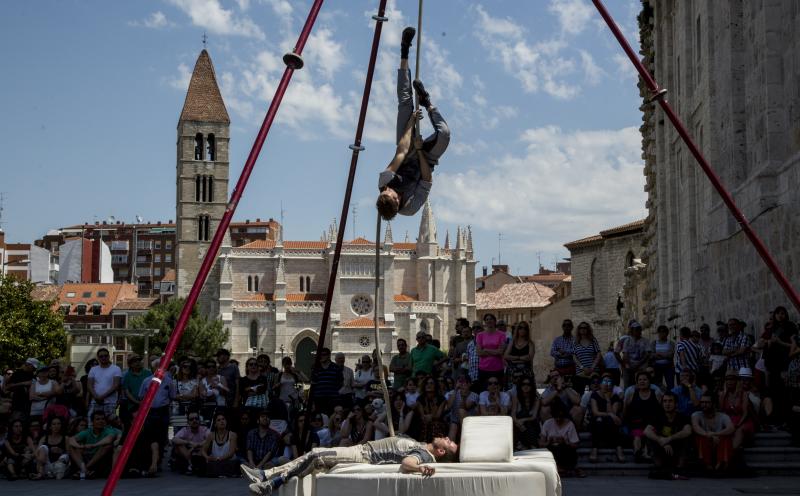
x,y
485,271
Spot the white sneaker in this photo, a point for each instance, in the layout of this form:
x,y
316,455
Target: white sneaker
x,y
252,474
261,488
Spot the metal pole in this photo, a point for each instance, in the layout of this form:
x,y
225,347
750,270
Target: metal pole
x,y
379,353
659,94
356,147
293,61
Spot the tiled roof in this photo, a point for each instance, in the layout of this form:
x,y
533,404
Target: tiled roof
x,y
405,246
45,292
113,293
521,295
362,322
203,100
260,244
579,243
404,297
588,241
360,241
545,278
269,244
136,303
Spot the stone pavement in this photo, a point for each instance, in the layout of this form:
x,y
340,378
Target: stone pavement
x,y
170,484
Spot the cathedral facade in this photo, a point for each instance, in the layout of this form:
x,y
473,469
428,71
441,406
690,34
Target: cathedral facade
x,y
270,294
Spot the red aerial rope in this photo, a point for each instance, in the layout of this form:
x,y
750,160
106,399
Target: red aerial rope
x,y
293,61
356,147
659,95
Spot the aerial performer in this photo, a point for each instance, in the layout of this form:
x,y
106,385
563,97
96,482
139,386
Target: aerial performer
x,y
412,456
405,184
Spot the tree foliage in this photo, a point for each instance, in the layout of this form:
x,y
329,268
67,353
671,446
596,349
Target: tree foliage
x,y
202,337
28,328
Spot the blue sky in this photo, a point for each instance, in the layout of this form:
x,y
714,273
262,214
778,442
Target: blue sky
x,y
542,105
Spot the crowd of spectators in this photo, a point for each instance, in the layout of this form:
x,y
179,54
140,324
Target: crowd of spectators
x,y
692,401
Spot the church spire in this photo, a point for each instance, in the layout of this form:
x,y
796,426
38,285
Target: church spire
x,y
203,99
469,239
427,225
447,239
458,238
387,238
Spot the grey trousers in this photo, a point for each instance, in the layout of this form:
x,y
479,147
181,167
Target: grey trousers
x,y
436,143
322,458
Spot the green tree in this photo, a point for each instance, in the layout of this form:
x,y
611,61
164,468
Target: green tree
x,y
28,328
202,337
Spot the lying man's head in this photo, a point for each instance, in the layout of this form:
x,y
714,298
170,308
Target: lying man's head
x,y
388,203
444,449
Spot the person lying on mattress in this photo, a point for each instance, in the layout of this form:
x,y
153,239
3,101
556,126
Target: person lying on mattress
x,y
412,456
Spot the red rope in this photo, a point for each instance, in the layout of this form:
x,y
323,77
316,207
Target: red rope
x,y
659,94
209,259
349,189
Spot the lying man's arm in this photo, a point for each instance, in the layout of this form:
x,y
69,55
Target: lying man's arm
x,y
412,465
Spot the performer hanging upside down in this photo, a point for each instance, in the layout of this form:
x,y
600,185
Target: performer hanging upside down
x,y
411,455
405,184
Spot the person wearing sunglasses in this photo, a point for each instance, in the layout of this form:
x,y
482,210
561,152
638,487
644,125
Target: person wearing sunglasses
x,y
188,445
494,401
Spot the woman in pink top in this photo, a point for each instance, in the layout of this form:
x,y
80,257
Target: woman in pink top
x,y
490,346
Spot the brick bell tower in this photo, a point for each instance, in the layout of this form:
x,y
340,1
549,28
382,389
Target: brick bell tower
x,y
201,176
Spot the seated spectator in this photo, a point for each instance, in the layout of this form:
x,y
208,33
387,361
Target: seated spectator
x,y
219,450
525,413
605,419
246,423
494,401
430,411
322,430
687,393
461,402
52,459
402,417
411,392
188,445
18,450
302,438
714,436
264,446
641,409
362,378
735,403
335,427
91,450
561,438
668,438
558,388
356,428
279,417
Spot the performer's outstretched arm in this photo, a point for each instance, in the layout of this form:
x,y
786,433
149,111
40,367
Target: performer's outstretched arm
x,y
412,465
404,144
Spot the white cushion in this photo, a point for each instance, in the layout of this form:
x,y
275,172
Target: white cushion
x,y
486,439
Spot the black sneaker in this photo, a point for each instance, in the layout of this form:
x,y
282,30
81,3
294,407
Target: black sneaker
x,y
424,96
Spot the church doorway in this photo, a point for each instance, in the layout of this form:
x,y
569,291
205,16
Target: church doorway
x,y
304,355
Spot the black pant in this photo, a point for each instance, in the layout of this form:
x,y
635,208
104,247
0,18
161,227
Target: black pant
x,y
566,456
605,433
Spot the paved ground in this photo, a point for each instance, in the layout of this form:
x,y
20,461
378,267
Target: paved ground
x,y
171,484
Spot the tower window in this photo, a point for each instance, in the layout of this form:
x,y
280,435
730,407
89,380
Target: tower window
x,y
255,284
197,188
204,189
308,284
198,146
210,180
253,334
203,228
249,283
302,284
211,148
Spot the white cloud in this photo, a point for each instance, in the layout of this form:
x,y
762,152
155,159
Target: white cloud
x,y
624,67
210,15
573,15
323,53
565,185
243,4
156,20
181,80
592,72
281,7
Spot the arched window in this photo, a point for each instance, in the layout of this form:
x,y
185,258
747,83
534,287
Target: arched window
x,y
249,283
210,188
302,283
629,259
211,148
308,284
198,146
255,284
254,334
203,228
197,180
204,183
592,275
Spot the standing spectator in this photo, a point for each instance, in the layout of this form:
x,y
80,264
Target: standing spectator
x,y
520,351
253,387
187,388
776,358
611,364
425,356
663,356
641,409
587,352
735,403
501,327
363,377
668,437
356,428
42,392
525,413
494,401
635,351
71,394
563,351
230,372
472,356
400,365
460,356
687,393
214,389
688,353
559,389
18,451
704,341
736,346
19,386
188,444
430,410
606,419
490,347
713,432
264,446
103,384
793,387
132,381
461,402
91,449
157,422
52,460
289,380
561,438
348,379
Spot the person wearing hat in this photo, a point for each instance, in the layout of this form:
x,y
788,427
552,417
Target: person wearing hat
x,y
425,356
230,372
43,390
735,403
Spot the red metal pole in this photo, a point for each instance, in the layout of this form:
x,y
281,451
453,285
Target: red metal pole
x,y
356,147
211,254
659,94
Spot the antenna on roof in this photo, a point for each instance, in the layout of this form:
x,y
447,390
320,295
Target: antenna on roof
x,y
205,40
355,216
2,203
138,219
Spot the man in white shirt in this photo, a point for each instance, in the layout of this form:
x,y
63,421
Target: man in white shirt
x,y
103,384
494,401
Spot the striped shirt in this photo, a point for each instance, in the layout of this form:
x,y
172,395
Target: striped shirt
x,y
586,353
327,381
736,342
474,360
566,345
692,354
